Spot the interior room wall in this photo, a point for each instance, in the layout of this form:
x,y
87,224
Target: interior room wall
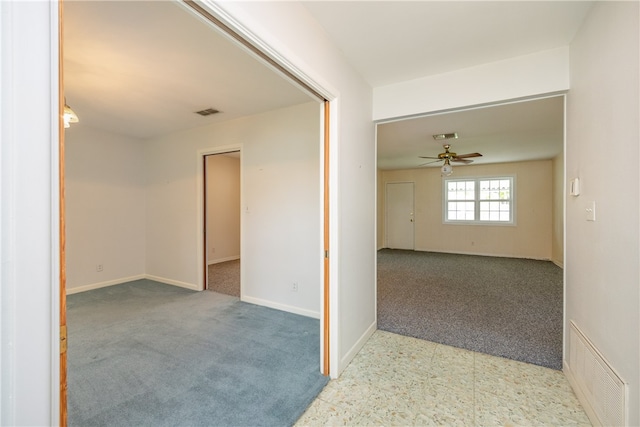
x,y
281,211
557,236
602,258
289,29
531,237
280,205
514,78
223,208
105,208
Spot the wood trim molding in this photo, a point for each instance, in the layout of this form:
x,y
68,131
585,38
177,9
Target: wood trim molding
x,y
205,266
62,249
326,310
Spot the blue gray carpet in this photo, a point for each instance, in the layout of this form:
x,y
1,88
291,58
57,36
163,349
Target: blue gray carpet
x,y
504,307
148,354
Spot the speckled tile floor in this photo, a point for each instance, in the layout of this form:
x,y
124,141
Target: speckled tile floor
x,y
400,381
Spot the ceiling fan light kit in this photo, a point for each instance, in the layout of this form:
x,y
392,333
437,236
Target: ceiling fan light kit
x,y
69,116
446,169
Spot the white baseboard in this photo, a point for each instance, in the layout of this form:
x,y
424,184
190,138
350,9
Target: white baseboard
x,y
164,280
219,260
282,307
348,357
122,280
99,285
481,254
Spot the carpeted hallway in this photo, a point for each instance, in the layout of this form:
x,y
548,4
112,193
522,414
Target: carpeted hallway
x,y
224,277
504,307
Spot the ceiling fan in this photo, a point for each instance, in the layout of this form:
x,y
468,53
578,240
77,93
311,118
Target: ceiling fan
x,y
448,157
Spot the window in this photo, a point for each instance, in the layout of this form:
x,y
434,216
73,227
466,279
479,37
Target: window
x,y
479,200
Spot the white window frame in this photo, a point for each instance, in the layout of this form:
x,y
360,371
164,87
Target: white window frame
x,y
476,201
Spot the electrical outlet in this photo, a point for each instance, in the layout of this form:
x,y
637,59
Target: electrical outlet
x,y
213,250
99,268
294,287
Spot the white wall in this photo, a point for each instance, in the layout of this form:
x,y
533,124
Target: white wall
x,y
29,214
530,237
281,210
105,208
223,208
602,258
520,77
280,205
289,30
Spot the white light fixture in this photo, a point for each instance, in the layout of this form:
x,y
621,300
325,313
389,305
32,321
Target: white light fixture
x,y
69,116
446,169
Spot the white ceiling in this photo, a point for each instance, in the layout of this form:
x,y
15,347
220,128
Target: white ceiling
x,y
143,68
394,41
531,130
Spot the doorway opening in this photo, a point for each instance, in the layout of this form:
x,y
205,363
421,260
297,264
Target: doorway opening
x,y
455,266
172,182
222,236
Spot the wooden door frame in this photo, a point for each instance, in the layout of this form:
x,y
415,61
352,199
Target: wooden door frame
x,y
205,273
201,207
62,225
203,154
326,282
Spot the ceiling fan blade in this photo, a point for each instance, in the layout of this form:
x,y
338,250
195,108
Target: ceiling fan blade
x,y
428,163
427,157
465,161
462,156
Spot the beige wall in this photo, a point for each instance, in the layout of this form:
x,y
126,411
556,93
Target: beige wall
x,y
105,208
602,260
280,205
531,237
223,208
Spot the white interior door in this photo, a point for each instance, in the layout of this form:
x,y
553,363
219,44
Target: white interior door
x,y
399,213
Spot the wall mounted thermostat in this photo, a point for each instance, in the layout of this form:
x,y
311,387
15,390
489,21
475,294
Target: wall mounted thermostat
x,y
574,189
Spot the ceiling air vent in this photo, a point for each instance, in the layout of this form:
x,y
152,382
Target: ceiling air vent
x,y
207,112
442,136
